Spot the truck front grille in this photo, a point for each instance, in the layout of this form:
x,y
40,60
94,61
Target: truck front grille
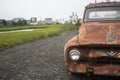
x,y
105,61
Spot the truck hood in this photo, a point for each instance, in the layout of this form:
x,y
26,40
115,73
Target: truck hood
x,y
99,33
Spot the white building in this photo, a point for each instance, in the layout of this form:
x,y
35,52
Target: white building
x,y
33,21
48,21
18,19
74,18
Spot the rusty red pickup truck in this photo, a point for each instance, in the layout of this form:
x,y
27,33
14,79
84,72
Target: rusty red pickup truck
x,y
96,47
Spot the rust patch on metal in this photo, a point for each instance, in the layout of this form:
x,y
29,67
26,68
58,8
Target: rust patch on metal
x,y
99,33
99,45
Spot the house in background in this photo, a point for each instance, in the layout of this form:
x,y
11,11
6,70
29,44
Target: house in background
x,y
19,22
18,19
73,18
33,21
40,22
48,21
61,21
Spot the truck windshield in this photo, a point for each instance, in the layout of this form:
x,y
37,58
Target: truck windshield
x,y
102,14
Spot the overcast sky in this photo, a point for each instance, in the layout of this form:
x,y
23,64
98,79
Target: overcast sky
x,y
41,9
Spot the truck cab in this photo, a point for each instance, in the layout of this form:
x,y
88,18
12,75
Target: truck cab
x,y
96,47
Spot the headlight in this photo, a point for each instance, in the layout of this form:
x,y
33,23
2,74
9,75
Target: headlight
x,y
74,55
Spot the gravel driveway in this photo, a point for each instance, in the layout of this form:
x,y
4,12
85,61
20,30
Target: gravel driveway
x,y
39,60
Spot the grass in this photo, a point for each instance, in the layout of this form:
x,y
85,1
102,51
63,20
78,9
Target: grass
x,y
15,38
22,27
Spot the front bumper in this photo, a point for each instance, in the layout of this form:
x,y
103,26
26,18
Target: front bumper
x,y
108,70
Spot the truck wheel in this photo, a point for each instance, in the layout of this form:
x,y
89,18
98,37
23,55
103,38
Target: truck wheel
x,y
73,74
89,74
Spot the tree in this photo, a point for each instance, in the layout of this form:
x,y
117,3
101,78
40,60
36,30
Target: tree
x,y
19,23
3,22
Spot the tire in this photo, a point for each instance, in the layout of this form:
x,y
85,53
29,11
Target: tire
x,y
77,76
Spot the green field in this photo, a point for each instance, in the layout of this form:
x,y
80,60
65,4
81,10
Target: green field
x,y
15,38
23,27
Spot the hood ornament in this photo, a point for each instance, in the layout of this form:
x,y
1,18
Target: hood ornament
x,y
111,53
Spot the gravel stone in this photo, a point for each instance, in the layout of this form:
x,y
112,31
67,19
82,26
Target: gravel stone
x,y
39,60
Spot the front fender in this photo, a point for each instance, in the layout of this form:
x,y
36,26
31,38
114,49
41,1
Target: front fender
x,y
72,42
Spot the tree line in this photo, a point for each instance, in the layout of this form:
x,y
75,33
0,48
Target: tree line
x,y
4,23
